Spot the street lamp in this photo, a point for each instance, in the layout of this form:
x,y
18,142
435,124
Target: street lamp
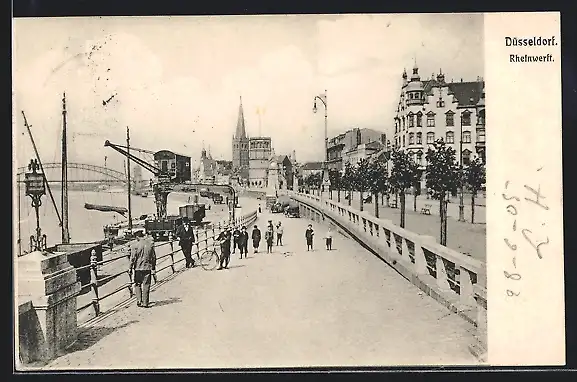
x,y
461,196
326,183
36,188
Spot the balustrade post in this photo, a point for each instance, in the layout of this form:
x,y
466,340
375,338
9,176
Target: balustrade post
x,y
94,282
442,276
466,287
420,260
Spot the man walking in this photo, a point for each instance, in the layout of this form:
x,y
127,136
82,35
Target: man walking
x,y
279,231
243,242
268,237
224,239
255,238
185,237
235,235
309,234
143,264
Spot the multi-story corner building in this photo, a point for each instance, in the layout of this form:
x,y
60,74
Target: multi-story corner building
x,y
433,108
260,152
345,145
240,147
362,151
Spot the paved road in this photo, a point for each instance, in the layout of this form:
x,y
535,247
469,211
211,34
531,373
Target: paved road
x,y
290,308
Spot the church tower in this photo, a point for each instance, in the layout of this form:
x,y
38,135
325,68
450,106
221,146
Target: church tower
x,y
240,145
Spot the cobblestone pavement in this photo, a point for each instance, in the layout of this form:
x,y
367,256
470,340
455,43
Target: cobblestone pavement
x,y
464,237
290,308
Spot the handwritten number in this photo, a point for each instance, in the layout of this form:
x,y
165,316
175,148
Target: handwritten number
x,y
512,246
510,293
536,247
509,197
512,276
512,209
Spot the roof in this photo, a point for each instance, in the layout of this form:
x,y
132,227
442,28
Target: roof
x,y
170,152
463,91
312,166
240,127
280,158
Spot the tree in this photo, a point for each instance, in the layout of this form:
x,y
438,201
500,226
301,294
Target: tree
x,y
335,177
403,175
347,180
442,176
314,181
361,179
377,178
417,188
474,178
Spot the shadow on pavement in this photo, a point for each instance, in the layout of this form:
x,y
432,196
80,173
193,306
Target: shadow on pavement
x,y
236,266
172,300
91,336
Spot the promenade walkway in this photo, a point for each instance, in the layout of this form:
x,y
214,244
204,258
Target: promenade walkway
x,y
287,309
464,237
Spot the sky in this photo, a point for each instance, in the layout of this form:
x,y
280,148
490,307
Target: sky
x,y
177,81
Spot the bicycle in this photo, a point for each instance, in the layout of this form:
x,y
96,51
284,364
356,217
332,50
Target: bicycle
x,y
209,257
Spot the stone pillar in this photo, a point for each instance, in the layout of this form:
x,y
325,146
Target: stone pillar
x,y
50,283
478,346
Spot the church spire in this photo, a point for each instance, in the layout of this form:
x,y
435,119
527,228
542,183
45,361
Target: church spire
x,y
240,128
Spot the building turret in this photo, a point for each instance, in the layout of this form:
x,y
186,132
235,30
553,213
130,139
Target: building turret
x,y
415,89
405,77
441,78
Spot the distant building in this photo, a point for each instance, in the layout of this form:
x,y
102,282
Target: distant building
x,y
260,151
285,171
310,168
432,108
207,169
348,142
362,151
240,147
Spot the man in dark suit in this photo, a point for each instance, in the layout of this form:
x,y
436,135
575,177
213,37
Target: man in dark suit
x,y
185,236
243,242
224,239
143,264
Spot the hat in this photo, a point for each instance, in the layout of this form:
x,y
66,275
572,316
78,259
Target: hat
x,y
185,219
243,227
255,226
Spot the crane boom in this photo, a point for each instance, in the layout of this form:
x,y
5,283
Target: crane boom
x,y
121,149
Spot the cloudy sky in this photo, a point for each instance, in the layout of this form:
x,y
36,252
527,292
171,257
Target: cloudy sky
x,y
176,81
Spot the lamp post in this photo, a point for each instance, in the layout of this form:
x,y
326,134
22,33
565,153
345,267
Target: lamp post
x,y
461,196
326,183
36,188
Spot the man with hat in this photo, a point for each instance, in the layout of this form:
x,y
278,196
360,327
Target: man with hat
x,y
243,242
143,264
224,240
185,236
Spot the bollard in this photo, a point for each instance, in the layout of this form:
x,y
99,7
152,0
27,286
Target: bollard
x,y
94,282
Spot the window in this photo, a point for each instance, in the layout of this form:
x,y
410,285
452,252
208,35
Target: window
x,y
419,120
411,138
411,121
440,103
466,157
403,141
410,95
419,138
450,137
480,135
466,137
449,119
481,117
403,123
431,137
466,118
431,120
419,157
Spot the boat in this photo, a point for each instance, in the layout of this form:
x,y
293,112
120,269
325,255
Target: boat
x,y
121,210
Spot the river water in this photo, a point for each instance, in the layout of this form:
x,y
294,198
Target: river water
x,y
87,225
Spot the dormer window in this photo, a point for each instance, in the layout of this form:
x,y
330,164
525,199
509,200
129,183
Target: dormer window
x,y
440,103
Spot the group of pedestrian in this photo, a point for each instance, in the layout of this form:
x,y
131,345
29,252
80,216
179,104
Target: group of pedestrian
x,y
310,234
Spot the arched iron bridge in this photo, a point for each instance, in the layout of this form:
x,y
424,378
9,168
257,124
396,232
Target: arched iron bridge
x,y
111,176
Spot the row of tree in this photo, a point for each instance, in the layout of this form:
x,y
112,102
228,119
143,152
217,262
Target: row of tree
x,y
373,178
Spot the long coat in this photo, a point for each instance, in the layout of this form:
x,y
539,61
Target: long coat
x,y
256,237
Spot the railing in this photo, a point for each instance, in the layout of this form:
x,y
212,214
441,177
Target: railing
x,y
459,279
168,261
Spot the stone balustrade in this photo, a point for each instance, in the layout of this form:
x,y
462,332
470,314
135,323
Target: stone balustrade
x,y
452,278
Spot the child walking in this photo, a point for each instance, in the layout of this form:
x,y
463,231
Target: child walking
x,y
329,239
